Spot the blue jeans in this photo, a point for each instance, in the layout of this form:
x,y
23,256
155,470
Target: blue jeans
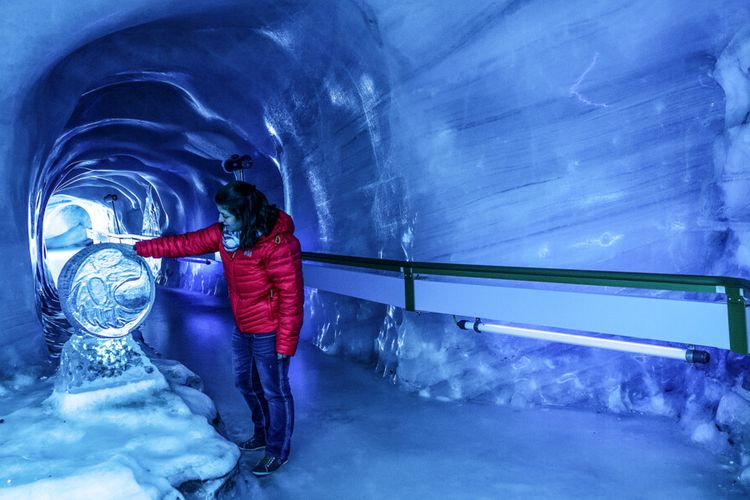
x,y
264,382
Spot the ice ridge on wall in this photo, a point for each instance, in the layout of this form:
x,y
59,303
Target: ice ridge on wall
x,y
732,155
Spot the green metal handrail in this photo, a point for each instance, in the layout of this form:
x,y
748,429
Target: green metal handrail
x,y
732,287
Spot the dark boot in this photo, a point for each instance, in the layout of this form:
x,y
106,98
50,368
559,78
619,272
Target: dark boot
x,y
267,465
252,444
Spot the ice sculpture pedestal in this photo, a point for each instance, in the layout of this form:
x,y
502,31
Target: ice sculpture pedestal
x,y
89,363
93,370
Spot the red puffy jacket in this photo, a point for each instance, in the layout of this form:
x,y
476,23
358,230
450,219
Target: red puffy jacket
x,y
265,282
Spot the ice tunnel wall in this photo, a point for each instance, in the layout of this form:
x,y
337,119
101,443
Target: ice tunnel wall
x,y
143,120
590,135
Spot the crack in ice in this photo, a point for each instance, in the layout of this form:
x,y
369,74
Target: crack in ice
x,y
577,84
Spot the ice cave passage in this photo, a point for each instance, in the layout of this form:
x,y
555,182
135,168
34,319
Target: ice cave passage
x,y
552,137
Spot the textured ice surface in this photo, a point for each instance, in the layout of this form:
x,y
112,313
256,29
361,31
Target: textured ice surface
x,y
89,363
553,134
732,148
67,227
136,440
429,355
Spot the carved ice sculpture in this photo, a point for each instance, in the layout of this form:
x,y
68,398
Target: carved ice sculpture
x,y
105,291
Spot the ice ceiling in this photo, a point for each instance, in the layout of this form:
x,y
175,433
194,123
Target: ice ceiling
x,y
509,133
588,135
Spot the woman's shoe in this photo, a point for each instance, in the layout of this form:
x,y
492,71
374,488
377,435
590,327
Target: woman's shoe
x,y
252,444
267,465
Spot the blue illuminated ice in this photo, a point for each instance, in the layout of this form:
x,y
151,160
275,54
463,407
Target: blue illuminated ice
x,y
137,440
732,149
572,134
429,355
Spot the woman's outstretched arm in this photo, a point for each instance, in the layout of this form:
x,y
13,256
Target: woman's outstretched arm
x,y
205,240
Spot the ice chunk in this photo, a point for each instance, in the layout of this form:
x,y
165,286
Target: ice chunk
x,y
734,413
90,364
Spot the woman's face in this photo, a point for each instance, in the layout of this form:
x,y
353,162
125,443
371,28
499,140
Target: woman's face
x,y
227,218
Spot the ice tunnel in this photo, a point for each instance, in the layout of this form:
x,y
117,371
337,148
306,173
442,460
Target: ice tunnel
x,y
577,167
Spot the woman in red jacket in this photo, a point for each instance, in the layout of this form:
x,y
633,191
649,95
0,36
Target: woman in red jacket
x,y
263,267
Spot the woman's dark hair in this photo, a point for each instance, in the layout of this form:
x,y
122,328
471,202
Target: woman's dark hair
x,y
251,207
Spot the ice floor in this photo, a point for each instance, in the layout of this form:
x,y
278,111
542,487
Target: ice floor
x,y
358,436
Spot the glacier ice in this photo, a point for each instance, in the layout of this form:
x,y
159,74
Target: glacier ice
x,y
135,440
574,135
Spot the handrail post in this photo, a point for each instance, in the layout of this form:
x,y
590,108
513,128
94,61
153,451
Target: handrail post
x,y
408,287
737,320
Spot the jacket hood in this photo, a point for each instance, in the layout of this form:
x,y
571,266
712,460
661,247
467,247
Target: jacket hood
x,y
284,224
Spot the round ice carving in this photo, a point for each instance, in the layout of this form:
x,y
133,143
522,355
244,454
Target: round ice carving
x,y
106,290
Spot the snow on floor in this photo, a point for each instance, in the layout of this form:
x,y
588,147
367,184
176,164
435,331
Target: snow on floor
x,y
134,440
357,436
